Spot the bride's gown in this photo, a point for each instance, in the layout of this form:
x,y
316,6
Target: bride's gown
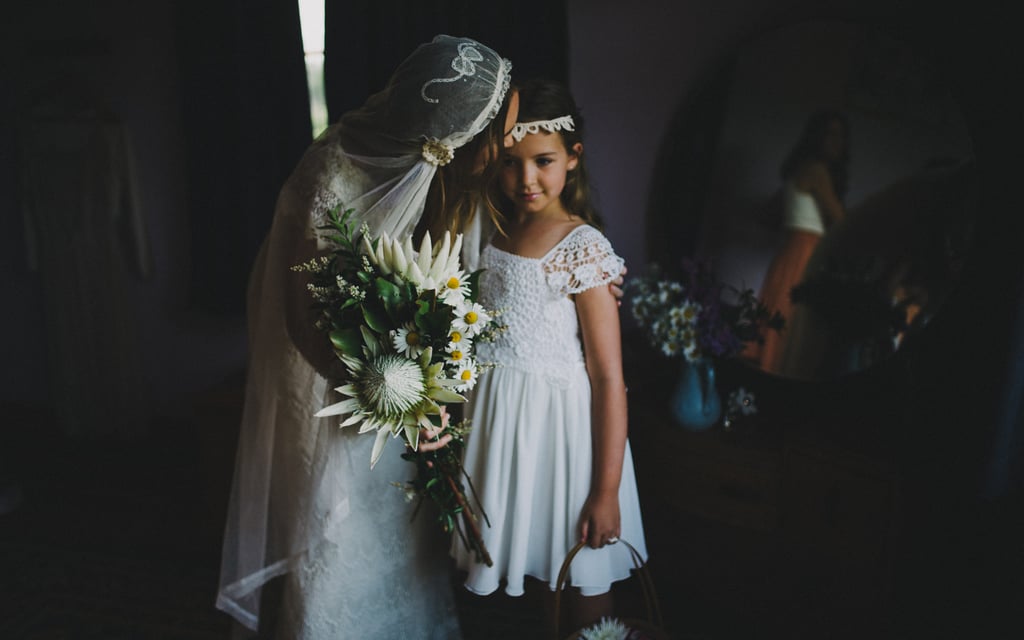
x,y
305,504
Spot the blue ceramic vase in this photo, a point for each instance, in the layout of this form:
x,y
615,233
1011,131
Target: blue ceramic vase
x,y
695,402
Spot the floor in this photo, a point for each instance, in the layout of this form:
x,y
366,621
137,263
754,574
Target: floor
x,y
120,540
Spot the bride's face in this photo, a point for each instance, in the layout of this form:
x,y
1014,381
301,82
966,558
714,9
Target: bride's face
x,y
510,121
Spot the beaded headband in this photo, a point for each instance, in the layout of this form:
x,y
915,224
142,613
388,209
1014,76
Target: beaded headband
x,y
561,123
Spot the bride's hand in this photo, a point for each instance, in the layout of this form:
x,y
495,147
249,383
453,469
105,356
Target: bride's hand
x,y
429,440
616,286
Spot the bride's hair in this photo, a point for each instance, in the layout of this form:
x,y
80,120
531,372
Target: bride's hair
x,y
460,186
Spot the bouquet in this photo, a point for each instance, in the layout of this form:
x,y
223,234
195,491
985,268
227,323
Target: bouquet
x,y
403,323
689,316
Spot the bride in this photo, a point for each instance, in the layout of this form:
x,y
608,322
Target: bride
x,y
305,507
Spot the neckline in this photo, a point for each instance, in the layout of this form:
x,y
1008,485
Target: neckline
x,y
491,245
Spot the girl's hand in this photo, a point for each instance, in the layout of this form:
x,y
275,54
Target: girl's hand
x,y
599,520
428,437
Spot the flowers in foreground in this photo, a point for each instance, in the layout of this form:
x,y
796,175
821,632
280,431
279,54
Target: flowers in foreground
x,y
606,629
403,323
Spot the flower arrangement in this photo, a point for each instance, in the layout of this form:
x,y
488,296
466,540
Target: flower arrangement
x,y
403,323
611,629
688,316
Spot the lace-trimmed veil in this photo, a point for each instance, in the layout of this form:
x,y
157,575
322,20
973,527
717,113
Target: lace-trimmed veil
x,y
294,474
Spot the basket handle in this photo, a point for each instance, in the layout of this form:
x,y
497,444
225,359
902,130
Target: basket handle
x,y
646,586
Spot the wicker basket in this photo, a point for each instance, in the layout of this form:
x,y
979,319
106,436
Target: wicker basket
x,y
643,629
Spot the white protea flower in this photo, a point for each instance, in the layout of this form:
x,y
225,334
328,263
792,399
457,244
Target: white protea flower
x,y
470,318
407,340
391,394
466,376
606,629
455,288
424,268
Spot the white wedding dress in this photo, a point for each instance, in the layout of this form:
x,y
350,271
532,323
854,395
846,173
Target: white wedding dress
x,y
305,504
529,451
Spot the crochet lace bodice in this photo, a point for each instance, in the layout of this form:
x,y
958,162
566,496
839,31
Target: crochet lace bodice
x,y
532,296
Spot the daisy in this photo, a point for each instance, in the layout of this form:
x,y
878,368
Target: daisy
x,y
458,340
408,340
456,357
466,376
455,288
470,318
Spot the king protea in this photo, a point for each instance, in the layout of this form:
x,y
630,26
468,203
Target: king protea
x,y
391,394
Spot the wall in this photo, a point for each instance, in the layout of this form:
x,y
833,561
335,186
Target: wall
x,y
123,55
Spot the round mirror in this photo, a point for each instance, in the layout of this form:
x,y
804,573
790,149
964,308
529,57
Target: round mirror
x,y
828,168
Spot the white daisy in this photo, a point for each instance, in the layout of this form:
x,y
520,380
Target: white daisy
x,y
407,340
454,289
470,318
456,357
466,376
460,341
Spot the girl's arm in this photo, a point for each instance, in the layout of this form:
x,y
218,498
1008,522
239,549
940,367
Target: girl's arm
x,y
599,324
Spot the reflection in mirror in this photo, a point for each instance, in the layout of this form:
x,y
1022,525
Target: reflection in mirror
x,y
841,189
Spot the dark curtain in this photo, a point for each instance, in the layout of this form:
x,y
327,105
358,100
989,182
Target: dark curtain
x,y
367,39
246,118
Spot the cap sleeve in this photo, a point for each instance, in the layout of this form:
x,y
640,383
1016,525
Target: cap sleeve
x,y
584,260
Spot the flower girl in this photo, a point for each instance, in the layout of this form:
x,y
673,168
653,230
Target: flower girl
x,y
548,453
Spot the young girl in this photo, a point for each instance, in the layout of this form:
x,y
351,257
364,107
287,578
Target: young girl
x,y
548,453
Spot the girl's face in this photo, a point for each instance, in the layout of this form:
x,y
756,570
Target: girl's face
x,y
533,172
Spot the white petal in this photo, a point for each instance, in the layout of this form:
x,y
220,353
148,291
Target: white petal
x,y
416,275
382,258
425,250
346,389
345,406
453,256
368,249
370,424
410,253
398,256
412,436
378,446
437,268
352,419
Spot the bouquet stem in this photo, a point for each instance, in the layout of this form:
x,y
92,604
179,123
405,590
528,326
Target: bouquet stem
x,y
475,542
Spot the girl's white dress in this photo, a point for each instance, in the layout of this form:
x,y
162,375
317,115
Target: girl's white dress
x,y
529,451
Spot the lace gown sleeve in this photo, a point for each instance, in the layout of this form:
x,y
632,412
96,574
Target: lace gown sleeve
x,y
584,260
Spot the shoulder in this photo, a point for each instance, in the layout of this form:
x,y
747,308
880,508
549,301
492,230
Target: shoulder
x,y
581,240
582,260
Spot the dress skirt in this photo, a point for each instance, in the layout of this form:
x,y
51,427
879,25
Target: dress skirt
x,y
529,458
785,272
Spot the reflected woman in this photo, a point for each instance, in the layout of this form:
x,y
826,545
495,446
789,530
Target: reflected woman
x,y
814,183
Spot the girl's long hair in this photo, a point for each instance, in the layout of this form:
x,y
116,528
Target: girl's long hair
x,y
542,99
460,186
809,148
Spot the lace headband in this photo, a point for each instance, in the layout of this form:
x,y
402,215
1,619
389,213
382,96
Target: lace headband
x,y
561,123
